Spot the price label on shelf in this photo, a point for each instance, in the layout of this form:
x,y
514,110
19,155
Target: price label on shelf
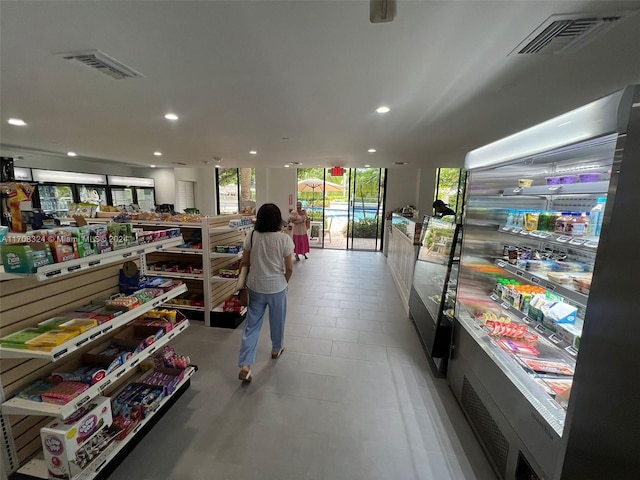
x,y
541,329
576,241
506,229
535,280
555,339
520,273
591,244
494,297
550,286
563,239
506,305
524,232
544,234
502,264
515,230
526,320
572,351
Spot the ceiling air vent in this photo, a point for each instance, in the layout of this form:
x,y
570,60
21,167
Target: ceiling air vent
x,y
401,163
103,63
567,33
178,163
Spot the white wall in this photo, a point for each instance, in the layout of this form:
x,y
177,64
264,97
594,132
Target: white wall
x,y
427,189
403,186
165,184
281,183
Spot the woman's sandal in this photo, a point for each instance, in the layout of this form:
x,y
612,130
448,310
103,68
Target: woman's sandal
x,y
245,375
277,354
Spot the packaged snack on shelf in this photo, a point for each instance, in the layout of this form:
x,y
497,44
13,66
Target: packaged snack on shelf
x,y
50,339
138,397
20,338
168,358
96,445
79,325
122,303
548,366
63,251
519,347
232,304
64,392
99,236
62,439
572,334
156,323
86,374
165,313
34,391
109,358
26,257
165,378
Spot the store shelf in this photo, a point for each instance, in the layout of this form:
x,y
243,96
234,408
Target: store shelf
x,y
539,329
564,189
19,406
216,278
57,270
82,340
242,228
37,467
184,307
219,309
541,279
589,244
191,251
180,275
226,255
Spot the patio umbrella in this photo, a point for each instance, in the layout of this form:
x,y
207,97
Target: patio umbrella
x,y
313,184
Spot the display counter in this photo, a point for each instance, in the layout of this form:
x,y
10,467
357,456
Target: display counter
x,y
404,242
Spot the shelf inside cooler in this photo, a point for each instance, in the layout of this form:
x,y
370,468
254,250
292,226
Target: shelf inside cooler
x,y
561,189
589,244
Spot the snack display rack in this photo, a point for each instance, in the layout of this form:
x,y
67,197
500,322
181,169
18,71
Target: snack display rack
x,y
56,270
26,300
544,328
212,232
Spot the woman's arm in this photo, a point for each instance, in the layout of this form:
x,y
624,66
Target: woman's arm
x,y
288,267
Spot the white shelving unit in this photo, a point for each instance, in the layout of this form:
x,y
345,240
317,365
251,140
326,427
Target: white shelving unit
x,y
213,231
91,335
20,406
27,299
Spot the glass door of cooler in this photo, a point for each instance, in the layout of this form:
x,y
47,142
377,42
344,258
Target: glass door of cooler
x,y
146,199
531,241
122,196
92,194
55,199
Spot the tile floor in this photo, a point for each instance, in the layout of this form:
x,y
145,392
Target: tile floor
x,y
351,398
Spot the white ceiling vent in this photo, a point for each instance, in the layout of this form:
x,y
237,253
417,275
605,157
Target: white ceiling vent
x,y
568,33
103,63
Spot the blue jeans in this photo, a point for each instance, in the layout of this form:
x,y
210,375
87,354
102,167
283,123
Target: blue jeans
x,y
258,302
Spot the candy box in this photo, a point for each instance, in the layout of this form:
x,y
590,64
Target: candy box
x,y
63,251
87,374
26,257
61,439
64,392
99,236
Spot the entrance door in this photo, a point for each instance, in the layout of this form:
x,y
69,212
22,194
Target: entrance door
x,y
346,212
366,208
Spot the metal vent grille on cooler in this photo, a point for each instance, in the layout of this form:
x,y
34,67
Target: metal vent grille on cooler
x,y
486,428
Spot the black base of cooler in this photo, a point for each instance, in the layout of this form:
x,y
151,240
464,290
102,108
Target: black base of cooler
x,y
226,319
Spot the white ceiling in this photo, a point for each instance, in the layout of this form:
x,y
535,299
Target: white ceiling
x,y
244,74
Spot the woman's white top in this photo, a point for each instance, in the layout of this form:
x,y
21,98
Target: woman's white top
x,y
268,249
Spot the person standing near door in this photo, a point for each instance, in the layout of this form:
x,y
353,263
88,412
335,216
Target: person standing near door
x,y
299,220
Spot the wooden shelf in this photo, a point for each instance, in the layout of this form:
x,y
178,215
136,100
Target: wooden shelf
x,y
93,334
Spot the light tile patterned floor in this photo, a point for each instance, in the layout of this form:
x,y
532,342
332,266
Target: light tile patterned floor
x,y
351,398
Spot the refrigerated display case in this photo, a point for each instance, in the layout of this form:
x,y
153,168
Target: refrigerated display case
x,y
122,196
145,198
432,296
55,198
93,194
545,331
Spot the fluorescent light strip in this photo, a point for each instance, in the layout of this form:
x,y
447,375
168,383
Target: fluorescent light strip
x,y
55,176
130,181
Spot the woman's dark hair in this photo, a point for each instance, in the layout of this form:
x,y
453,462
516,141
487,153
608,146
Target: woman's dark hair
x,y
269,218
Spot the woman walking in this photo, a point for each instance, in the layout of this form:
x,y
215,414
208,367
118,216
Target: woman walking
x,y
300,238
267,256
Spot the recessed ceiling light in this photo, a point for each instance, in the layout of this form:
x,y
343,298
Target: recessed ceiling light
x,y
17,122
157,154
71,154
367,166
372,150
171,116
253,152
287,166
382,109
152,166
